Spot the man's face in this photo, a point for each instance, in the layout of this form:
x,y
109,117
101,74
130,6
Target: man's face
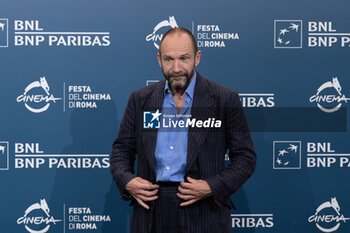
x,y
178,60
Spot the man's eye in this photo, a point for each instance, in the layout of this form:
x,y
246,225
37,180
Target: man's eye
x,y
166,59
184,58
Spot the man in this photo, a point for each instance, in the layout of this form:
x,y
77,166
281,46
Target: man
x,y
182,184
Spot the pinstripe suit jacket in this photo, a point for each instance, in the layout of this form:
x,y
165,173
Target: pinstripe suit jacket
x,y
205,156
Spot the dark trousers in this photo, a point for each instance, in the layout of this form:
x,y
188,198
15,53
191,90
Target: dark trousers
x,y
168,215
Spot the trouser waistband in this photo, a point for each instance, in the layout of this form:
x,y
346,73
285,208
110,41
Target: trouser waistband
x,y
167,186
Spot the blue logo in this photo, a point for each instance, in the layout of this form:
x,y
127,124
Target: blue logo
x,y
4,155
151,119
288,34
286,154
4,32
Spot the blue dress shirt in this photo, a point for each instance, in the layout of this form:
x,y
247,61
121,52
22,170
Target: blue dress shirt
x,y
171,147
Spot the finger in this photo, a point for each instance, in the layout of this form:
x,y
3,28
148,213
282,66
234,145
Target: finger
x,y
146,193
186,197
186,185
144,198
148,186
191,180
186,203
147,182
186,191
142,203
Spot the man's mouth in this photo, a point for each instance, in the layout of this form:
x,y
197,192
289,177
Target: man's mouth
x,y
177,77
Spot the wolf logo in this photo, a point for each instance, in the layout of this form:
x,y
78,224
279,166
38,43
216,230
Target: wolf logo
x,y
2,26
321,99
334,83
328,222
29,98
157,37
333,203
48,219
36,206
171,22
42,83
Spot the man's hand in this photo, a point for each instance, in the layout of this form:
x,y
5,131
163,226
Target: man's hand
x,y
142,190
193,190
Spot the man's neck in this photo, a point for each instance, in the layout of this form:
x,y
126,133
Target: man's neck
x,y
178,92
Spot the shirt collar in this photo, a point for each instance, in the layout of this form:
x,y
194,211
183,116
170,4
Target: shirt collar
x,y
189,90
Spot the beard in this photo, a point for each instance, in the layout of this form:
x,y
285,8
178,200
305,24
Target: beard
x,y
178,86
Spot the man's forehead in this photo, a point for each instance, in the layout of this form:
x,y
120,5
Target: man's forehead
x,y
177,42
178,50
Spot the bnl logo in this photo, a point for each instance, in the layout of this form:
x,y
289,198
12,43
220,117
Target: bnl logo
x,y
4,155
286,155
151,119
4,33
288,34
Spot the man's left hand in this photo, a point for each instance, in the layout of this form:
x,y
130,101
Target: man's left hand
x,y
193,190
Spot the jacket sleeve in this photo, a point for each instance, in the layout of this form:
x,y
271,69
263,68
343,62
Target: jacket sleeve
x,y
124,150
241,152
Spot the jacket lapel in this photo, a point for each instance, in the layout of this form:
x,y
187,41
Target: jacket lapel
x,y
154,102
201,108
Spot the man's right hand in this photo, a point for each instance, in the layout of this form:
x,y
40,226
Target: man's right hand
x,y
142,190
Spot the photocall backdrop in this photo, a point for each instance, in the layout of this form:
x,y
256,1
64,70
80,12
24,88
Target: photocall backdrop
x,y
68,68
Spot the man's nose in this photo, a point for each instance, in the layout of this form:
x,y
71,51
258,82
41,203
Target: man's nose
x,y
176,67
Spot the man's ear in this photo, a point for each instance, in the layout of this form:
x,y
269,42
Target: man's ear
x,y
198,57
159,61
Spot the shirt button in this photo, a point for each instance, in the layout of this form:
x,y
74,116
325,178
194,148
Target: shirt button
x,y
171,147
167,168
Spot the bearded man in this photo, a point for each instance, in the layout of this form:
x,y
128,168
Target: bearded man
x,y
182,184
